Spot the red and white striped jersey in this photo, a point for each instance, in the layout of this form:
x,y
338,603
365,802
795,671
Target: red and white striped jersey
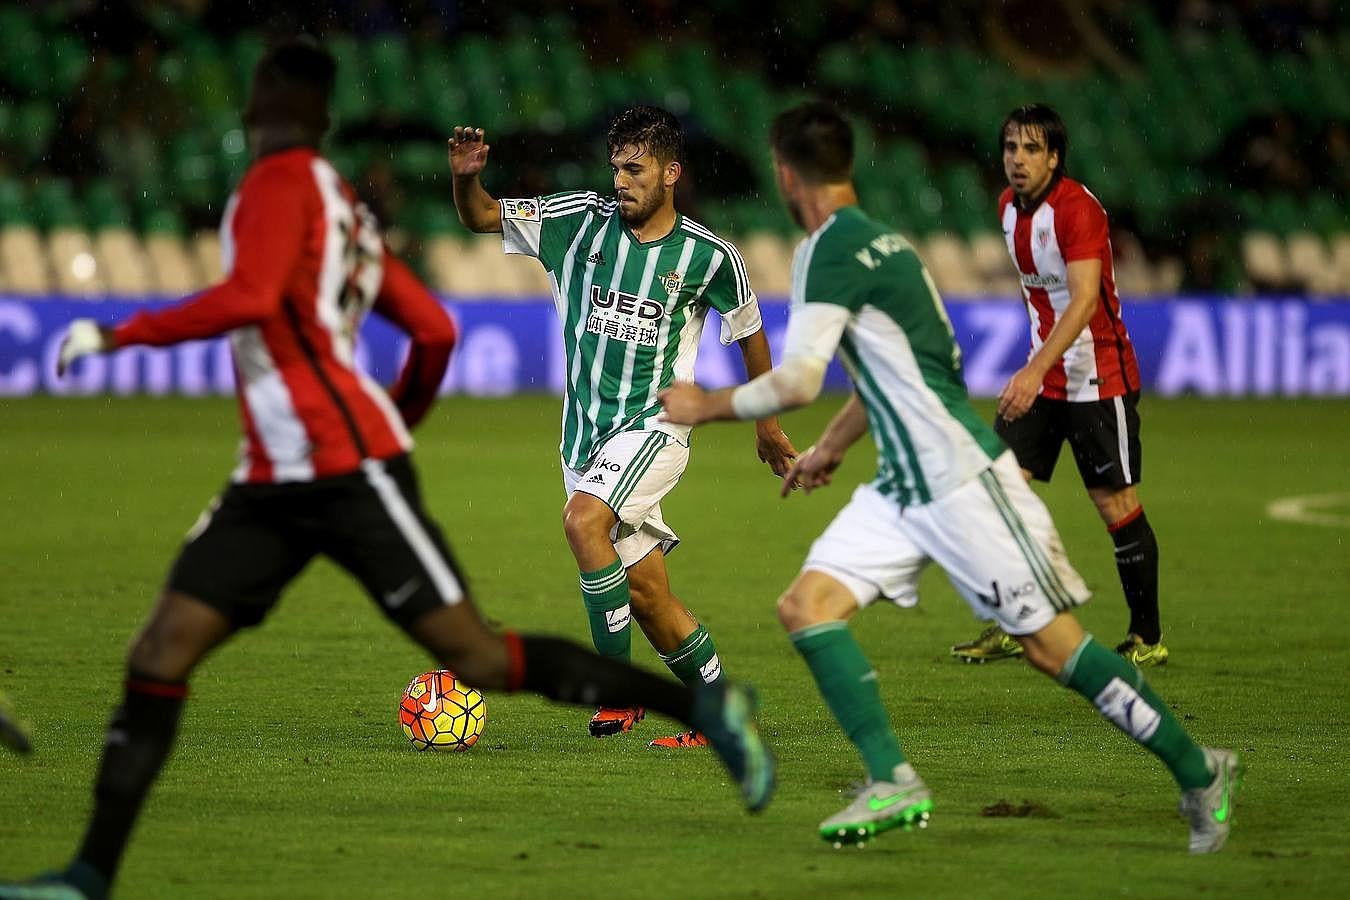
x,y
1070,224
305,263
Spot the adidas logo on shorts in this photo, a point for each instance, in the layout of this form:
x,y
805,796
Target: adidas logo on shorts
x,y
597,478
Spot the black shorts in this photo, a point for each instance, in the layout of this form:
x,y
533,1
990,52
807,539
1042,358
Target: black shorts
x,y
254,538
1104,436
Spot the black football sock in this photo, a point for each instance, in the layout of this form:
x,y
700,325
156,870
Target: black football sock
x,y
1137,562
561,670
138,742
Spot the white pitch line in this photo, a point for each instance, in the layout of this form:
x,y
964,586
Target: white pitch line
x,y
1310,509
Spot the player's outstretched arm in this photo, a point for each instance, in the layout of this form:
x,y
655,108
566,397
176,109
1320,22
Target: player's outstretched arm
x,y
772,444
269,230
1084,282
815,468
406,302
477,209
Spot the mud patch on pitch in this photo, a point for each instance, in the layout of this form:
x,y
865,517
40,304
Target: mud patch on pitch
x,y
1025,810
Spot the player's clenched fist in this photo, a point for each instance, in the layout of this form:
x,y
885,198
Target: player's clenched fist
x,y
468,151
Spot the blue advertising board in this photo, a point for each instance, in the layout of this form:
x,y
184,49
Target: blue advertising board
x,y
1207,346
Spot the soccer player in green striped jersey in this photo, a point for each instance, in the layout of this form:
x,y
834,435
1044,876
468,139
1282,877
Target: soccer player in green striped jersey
x,y
947,490
633,281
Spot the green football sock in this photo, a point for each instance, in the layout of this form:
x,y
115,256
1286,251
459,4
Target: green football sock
x,y
1119,692
848,683
605,593
695,661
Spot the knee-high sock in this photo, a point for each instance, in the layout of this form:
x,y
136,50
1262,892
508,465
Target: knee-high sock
x,y
848,683
138,743
695,661
1121,694
562,671
1137,563
605,593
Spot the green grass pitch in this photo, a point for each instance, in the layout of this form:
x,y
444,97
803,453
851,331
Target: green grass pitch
x,y
292,777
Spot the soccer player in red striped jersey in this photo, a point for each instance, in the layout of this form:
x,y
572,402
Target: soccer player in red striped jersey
x,y
326,470
1081,379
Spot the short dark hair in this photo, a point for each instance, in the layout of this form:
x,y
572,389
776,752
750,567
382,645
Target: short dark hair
x,y
816,140
293,82
1039,115
649,127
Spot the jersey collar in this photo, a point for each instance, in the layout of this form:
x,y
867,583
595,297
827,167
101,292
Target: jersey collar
x,y
674,229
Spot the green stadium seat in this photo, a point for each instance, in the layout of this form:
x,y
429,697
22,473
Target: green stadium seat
x,y
244,54
68,58
164,221
13,203
444,102
23,61
194,170
392,76
105,205
421,165
353,98
53,204
31,130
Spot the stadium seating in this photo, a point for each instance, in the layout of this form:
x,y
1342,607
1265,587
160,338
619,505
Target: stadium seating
x,y
925,157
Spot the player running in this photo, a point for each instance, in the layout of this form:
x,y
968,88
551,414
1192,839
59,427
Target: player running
x,y
326,469
633,281
1081,380
947,490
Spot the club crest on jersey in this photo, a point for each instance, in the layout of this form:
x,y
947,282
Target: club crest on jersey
x,y
673,281
1043,237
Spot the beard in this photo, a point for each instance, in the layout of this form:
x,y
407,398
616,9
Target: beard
x,y
644,210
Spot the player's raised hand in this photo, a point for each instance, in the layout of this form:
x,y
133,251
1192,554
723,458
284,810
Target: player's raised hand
x,y
83,337
813,469
468,151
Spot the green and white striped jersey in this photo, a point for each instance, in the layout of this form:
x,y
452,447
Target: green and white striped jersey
x,y
632,313
897,345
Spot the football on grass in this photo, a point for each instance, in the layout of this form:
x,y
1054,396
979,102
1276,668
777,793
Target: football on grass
x,y
440,712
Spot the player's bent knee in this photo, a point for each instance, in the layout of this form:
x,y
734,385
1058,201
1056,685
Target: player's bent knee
x,y
586,520
798,609
458,639
1114,504
815,598
178,635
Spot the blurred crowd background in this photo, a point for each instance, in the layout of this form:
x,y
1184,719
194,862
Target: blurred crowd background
x,y
1216,134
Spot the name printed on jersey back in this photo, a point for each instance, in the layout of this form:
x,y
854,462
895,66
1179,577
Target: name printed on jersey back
x,y
883,245
625,317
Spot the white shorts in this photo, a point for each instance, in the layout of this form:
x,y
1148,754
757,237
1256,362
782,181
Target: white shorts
x,y
631,473
992,536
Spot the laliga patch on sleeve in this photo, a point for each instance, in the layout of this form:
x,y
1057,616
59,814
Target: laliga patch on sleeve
x,y
1132,714
521,210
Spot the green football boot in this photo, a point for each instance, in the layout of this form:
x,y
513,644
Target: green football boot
x,y
880,806
78,882
1210,809
1142,655
993,643
725,713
